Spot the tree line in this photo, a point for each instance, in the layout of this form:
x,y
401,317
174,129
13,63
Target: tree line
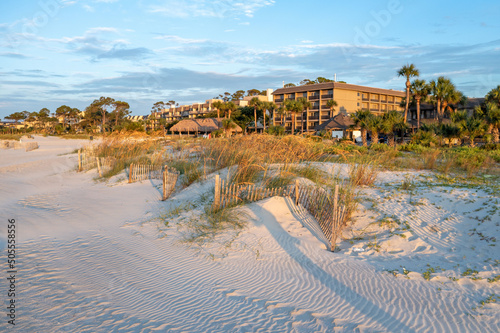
x,y
102,115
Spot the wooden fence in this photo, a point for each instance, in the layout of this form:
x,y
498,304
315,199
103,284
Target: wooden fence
x,y
321,204
169,180
86,159
139,172
29,146
11,144
105,164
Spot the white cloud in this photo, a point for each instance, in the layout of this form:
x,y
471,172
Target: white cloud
x,y
181,40
216,8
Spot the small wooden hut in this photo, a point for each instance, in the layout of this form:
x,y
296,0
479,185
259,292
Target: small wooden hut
x,y
200,126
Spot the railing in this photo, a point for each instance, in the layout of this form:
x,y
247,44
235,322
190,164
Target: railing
x,y
313,97
279,100
328,96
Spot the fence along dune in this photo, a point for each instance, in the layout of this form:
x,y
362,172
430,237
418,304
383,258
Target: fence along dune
x,y
325,207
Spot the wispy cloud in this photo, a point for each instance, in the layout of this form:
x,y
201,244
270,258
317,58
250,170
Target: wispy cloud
x,y
14,55
216,8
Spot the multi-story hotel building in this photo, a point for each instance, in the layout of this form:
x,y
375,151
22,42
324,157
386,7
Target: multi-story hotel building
x,y
197,110
350,98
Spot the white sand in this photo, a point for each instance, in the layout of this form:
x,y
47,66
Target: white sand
x,y
92,258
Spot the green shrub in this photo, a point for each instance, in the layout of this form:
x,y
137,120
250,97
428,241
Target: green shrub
x,y
424,138
379,147
276,130
490,146
412,147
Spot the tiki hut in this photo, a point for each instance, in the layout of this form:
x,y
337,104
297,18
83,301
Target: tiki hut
x,y
200,125
340,126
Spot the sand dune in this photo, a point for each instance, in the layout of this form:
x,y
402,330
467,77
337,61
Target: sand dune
x,y
94,258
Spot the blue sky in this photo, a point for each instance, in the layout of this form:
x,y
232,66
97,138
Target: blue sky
x,y
55,52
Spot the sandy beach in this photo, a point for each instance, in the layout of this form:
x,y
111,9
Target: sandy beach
x,y
96,256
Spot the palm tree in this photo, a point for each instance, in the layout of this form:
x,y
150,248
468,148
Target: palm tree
x,y
444,92
230,108
492,118
420,90
408,71
271,107
281,111
449,131
331,104
393,121
305,105
472,127
493,96
228,125
361,119
257,105
374,125
294,107
217,105
452,97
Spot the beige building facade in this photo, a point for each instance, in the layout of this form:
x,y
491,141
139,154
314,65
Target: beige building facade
x,y
350,98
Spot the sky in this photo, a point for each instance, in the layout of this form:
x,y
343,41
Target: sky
x,y
71,52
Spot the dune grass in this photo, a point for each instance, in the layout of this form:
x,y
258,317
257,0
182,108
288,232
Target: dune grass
x,y
14,137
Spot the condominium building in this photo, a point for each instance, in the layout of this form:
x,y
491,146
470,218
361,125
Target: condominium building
x,y
349,98
197,110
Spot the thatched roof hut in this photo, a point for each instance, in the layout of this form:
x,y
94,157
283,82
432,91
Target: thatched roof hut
x,y
200,125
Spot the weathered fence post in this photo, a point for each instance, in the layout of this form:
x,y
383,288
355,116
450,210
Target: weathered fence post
x,y
217,192
99,166
296,192
130,173
79,160
334,218
165,175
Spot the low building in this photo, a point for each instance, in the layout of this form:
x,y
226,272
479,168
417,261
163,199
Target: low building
x,y
349,97
339,127
428,111
200,125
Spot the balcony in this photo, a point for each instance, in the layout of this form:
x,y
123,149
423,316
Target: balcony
x,y
325,117
290,99
313,97
279,100
327,96
314,107
325,107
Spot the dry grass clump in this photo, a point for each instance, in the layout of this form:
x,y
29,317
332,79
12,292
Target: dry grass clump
x,y
213,222
429,158
127,151
15,137
253,153
363,173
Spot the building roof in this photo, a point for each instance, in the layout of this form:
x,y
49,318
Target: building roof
x,y
340,122
338,85
200,125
